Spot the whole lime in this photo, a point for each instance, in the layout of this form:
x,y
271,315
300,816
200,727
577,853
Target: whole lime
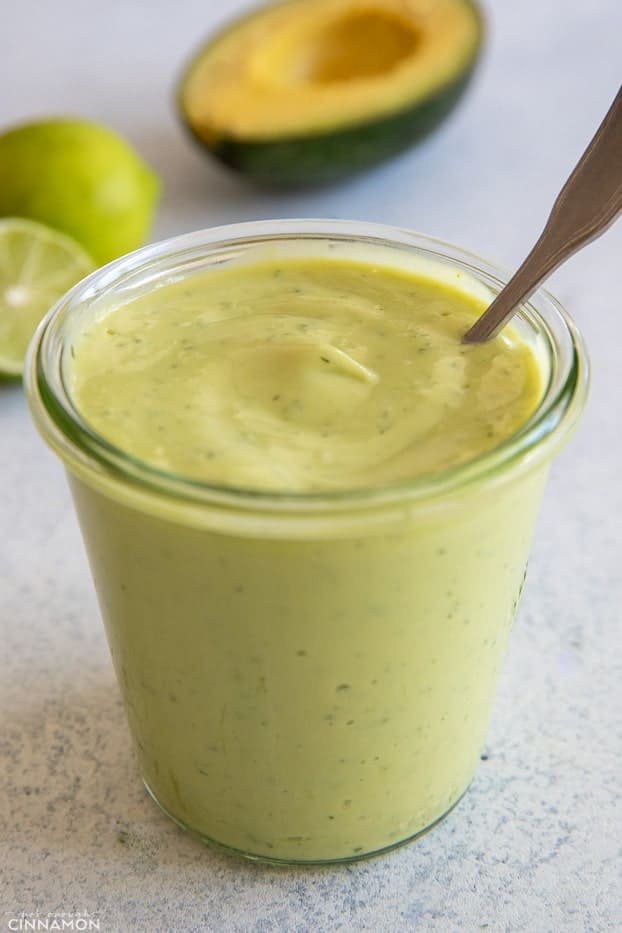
x,y
81,178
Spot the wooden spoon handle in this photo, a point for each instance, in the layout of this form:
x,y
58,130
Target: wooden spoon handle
x,y
587,205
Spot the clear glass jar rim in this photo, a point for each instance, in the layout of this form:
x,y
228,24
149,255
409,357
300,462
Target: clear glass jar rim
x,y
84,451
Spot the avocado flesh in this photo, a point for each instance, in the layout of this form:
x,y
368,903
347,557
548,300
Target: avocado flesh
x,y
310,91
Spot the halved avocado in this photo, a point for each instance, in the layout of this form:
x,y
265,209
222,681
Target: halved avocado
x,y
309,91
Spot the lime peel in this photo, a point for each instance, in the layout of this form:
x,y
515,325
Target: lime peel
x,y
81,178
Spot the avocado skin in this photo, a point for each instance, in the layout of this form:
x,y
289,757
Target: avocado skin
x,y
306,161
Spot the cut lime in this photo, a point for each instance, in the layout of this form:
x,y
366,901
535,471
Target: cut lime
x,y
37,265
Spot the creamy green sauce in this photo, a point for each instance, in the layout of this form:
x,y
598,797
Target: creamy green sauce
x,y
313,374
306,693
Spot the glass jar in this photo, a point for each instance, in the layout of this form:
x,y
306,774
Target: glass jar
x,y
308,677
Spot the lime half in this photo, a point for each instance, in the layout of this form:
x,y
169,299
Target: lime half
x,y
37,265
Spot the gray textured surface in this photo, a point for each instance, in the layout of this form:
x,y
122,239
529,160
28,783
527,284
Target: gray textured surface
x,y
535,845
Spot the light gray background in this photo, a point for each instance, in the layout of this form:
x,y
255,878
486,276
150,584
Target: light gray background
x,y
535,845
